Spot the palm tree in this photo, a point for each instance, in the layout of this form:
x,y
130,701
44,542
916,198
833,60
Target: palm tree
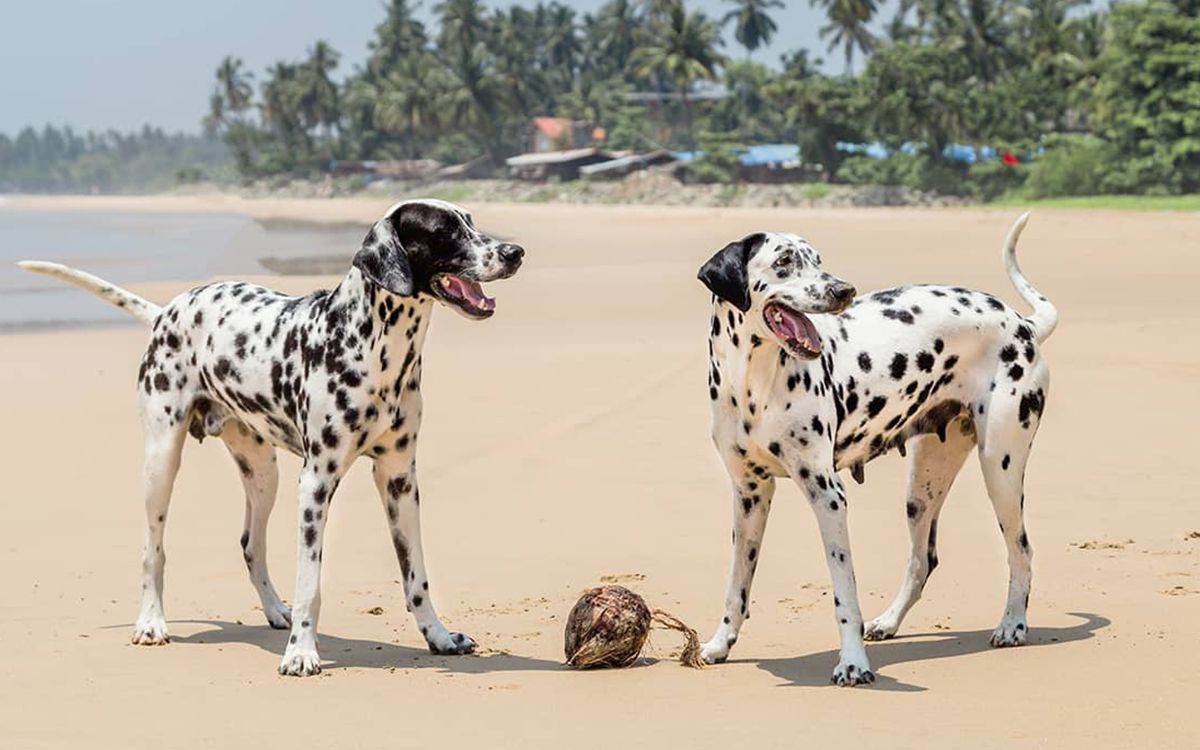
x,y
981,31
463,25
561,41
399,36
683,49
753,26
616,30
847,26
320,99
231,97
471,102
519,74
215,119
408,106
281,109
233,84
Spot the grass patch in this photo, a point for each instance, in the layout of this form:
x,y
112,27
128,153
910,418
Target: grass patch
x,y
727,194
453,193
816,191
1126,202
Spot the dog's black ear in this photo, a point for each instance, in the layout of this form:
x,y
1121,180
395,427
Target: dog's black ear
x,y
383,260
725,273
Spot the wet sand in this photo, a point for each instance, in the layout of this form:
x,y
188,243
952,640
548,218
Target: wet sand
x,y
567,439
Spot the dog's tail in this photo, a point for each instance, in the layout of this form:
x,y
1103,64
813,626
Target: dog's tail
x,y
142,309
1045,316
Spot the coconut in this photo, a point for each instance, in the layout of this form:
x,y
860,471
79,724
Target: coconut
x,y
609,625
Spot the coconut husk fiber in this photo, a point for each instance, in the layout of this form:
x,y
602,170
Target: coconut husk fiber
x,y
609,625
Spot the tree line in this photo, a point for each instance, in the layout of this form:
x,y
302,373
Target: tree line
x,y
1107,97
60,160
1088,100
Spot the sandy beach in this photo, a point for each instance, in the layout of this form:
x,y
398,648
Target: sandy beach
x,y
566,440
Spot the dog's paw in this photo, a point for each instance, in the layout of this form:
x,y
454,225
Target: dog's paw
x,y
151,633
849,673
279,617
880,629
715,651
1009,633
452,644
300,663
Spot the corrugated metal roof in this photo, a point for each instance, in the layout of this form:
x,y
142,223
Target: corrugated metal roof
x,y
627,161
552,157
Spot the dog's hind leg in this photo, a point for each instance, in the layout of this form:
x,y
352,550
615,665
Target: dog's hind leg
x,y
934,466
752,494
1011,422
260,477
165,429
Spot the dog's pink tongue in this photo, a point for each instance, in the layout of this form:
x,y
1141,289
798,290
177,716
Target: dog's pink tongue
x,y
792,325
472,292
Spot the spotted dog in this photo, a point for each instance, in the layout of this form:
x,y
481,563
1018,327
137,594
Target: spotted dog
x,y
330,376
806,380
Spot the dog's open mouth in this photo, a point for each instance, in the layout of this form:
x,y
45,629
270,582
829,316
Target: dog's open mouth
x,y
793,329
464,294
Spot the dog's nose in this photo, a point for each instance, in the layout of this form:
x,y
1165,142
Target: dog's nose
x,y
842,292
510,253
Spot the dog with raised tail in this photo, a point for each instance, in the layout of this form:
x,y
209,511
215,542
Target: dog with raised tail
x,y
807,380
330,376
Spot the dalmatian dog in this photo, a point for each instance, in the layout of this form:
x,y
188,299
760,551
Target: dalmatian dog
x,y
807,380
330,376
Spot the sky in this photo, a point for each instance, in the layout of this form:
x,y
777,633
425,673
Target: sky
x,y
124,63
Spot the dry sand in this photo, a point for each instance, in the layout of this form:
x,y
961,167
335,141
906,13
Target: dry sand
x,y
567,439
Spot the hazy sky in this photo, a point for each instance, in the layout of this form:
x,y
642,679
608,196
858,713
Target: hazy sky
x,y
122,63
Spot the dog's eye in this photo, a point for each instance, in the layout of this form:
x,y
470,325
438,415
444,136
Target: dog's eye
x,y
782,262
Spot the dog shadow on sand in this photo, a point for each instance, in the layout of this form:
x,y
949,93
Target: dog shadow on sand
x,y
350,653
812,670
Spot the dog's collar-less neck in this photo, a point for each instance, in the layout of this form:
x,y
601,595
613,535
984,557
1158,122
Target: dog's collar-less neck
x,y
396,321
753,361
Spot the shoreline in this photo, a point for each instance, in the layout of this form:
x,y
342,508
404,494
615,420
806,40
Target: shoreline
x,y
357,210
353,211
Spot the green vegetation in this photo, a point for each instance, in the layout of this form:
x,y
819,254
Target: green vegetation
x,y
1093,103
63,161
1090,102
1125,202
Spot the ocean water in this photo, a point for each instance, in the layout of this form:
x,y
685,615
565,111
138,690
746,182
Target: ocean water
x,y
126,248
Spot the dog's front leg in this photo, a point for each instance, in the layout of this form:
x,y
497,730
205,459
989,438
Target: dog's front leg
x,y
396,478
752,495
317,485
828,499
